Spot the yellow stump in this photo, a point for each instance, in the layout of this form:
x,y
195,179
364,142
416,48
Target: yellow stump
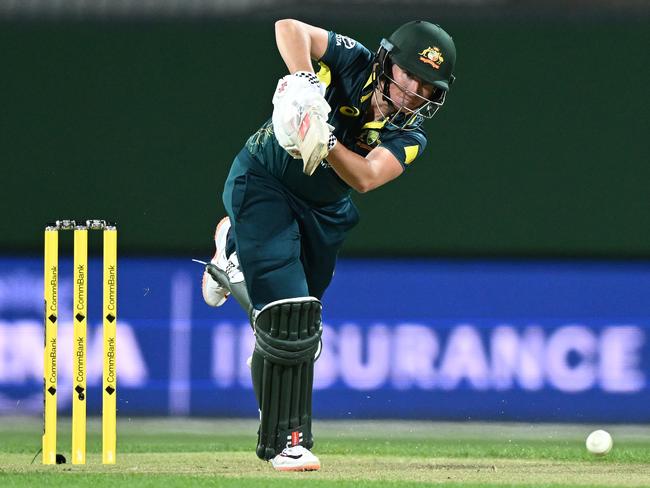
x,y
51,292
79,314
109,427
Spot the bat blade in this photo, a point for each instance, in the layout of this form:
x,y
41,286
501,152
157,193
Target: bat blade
x,y
313,134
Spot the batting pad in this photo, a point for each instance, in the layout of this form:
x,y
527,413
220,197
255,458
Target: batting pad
x,y
287,335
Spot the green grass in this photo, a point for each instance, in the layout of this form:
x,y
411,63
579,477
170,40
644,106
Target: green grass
x,y
220,453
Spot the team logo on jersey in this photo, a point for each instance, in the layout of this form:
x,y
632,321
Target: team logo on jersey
x,y
432,56
369,138
350,111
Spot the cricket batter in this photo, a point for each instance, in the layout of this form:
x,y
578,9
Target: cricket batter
x,y
356,124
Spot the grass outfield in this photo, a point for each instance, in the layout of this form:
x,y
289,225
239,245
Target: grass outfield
x,y
220,453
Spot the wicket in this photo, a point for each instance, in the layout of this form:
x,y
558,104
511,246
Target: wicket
x,y
80,312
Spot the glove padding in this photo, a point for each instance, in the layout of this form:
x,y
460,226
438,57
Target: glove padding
x,y
300,119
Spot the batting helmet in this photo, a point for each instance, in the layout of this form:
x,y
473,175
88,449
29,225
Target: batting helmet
x,y
425,50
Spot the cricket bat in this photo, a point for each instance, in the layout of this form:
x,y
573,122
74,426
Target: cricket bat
x,y
313,137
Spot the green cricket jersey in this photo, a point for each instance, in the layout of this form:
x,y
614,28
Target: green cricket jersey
x,y
346,70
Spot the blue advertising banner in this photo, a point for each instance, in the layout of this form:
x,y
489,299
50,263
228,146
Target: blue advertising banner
x,y
429,339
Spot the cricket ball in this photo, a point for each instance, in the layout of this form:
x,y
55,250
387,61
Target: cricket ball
x,y
599,442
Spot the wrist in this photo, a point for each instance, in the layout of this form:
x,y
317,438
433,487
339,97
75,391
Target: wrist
x,y
331,142
310,76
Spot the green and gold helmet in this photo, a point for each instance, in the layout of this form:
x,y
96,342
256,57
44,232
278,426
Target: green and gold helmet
x,y
426,51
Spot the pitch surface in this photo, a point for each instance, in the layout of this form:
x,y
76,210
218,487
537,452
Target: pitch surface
x,y
163,452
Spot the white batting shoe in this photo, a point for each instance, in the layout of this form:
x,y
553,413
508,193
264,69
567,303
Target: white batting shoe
x,y
295,458
213,293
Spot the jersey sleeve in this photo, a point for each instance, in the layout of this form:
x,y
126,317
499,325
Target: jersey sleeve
x,y
405,146
345,56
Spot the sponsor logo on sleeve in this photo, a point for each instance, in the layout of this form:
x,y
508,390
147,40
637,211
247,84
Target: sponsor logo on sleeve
x,y
346,41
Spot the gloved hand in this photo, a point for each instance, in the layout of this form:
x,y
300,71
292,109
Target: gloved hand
x,y
300,118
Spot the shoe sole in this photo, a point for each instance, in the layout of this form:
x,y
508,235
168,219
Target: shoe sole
x,y
308,467
221,223
203,285
213,260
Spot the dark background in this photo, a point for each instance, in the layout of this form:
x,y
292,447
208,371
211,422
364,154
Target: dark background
x,y
540,151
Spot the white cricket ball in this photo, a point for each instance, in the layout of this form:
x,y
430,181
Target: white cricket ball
x,y
599,442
